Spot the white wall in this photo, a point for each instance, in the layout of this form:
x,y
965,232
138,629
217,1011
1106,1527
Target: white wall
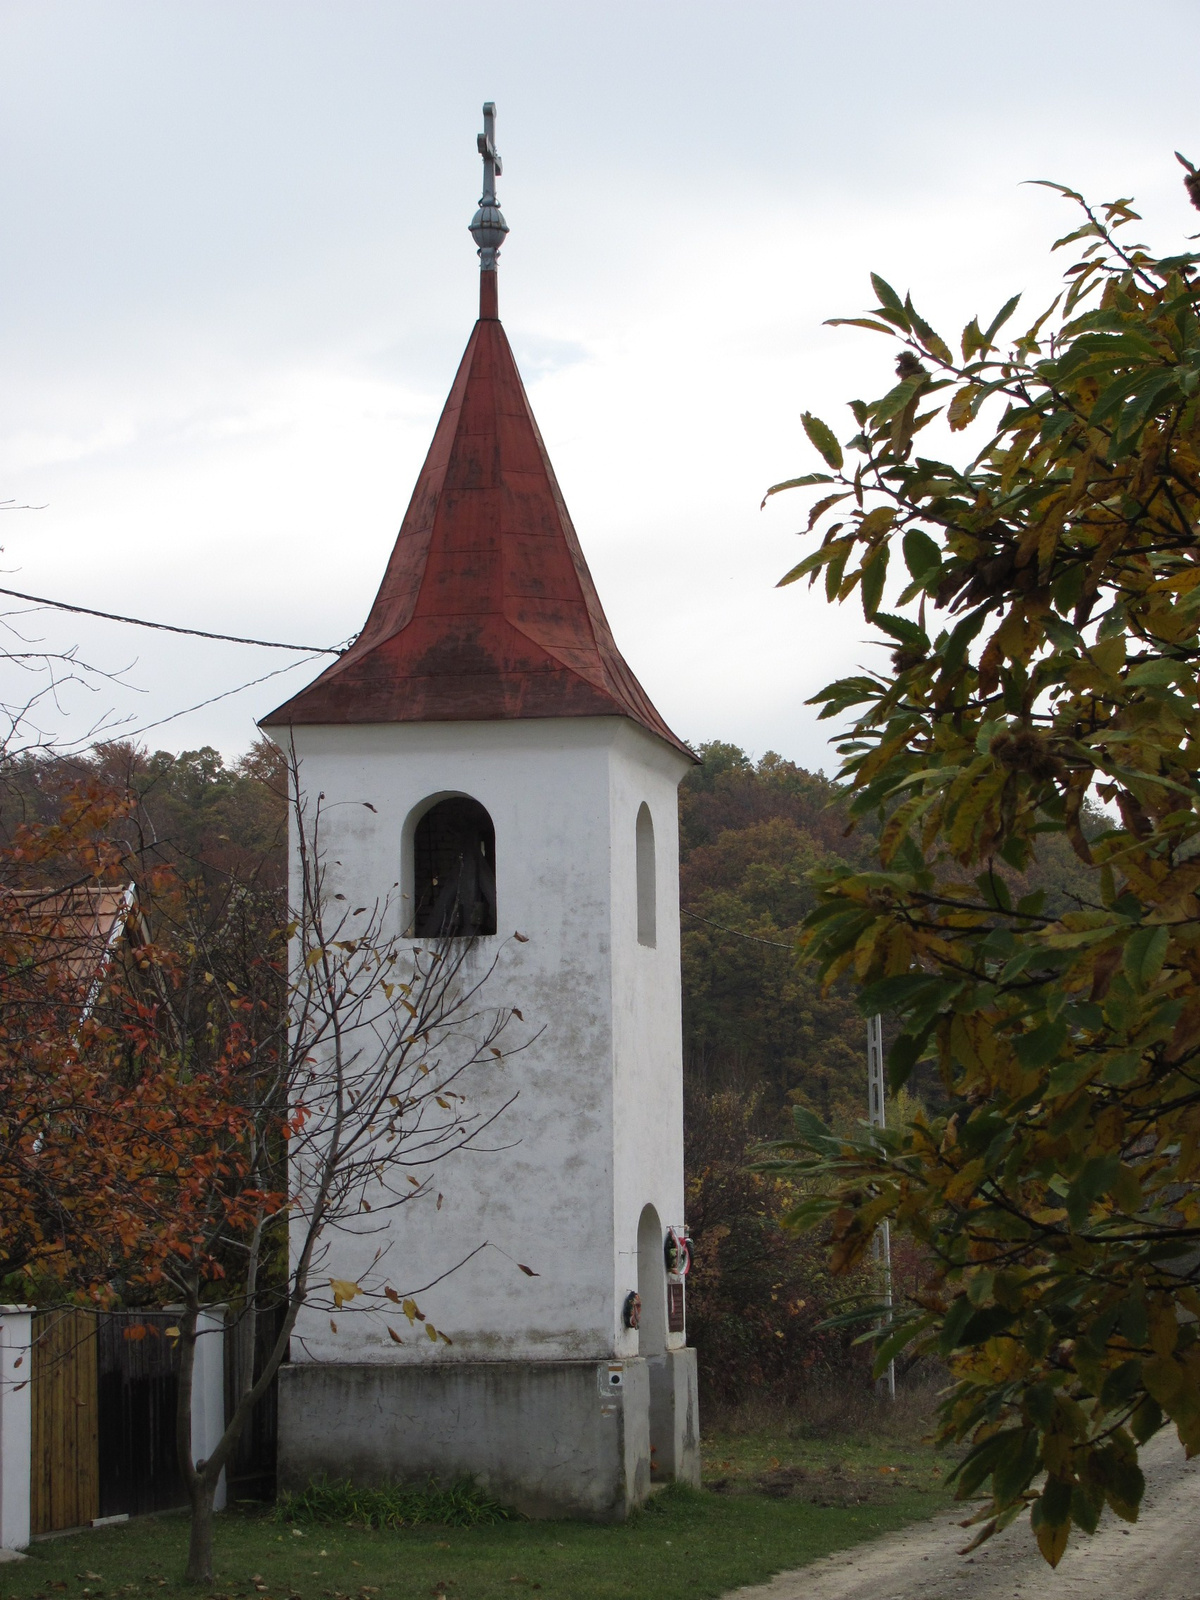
x,y
16,1424
596,1131
647,1024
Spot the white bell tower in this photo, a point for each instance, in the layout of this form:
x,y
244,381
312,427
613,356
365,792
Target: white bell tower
x,y
486,715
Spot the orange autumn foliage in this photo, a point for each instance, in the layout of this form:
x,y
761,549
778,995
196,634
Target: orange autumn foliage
x,y
118,1149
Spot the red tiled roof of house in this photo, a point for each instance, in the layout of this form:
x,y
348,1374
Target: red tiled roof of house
x,y
76,929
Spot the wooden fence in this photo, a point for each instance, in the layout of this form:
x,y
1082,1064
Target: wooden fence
x,y
65,1458
105,1387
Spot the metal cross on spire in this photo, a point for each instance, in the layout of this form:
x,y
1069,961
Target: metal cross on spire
x,y
488,226
493,167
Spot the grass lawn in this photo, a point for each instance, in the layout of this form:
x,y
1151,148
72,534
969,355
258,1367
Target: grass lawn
x,y
774,1497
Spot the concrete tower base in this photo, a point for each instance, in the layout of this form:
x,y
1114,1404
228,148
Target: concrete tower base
x,y
552,1439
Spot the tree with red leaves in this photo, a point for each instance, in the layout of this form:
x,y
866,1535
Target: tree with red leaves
x,y
165,1135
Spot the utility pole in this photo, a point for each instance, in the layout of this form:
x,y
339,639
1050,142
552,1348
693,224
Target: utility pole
x,y
876,1111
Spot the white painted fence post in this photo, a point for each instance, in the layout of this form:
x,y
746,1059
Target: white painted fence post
x,y
208,1390
16,1424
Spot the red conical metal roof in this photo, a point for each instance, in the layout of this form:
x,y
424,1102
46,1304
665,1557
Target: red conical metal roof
x,y
487,610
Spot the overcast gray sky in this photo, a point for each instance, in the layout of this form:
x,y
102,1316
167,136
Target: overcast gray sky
x,y
235,281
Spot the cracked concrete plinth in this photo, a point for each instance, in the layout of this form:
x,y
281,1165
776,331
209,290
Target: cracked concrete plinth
x,y
552,1439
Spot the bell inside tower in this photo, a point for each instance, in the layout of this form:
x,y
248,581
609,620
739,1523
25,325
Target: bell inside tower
x,y
454,860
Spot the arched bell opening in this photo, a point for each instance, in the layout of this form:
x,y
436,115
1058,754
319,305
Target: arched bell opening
x,y
652,1284
454,871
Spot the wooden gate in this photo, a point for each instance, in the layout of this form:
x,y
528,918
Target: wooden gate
x,y
139,1389
250,1472
65,1459
105,1387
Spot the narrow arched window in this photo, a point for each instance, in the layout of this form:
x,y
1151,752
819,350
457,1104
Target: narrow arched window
x,y
646,909
454,862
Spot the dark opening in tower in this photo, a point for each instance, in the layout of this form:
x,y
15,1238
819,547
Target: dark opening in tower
x,y
454,859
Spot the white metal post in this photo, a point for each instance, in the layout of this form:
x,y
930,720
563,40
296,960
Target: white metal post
x,y
208,1388
208,1391
877,1111
16,1424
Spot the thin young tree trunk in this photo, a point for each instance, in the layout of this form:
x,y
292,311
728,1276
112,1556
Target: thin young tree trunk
x,y
334,1158
202,1493
202,1477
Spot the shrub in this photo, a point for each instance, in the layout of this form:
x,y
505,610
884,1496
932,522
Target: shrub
x,y
462,1504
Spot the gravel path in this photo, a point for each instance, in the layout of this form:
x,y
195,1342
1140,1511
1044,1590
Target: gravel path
x,y
1155,1558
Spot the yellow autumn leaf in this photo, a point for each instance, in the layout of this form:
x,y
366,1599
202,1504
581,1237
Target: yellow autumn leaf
x,y
1052,1541
876,522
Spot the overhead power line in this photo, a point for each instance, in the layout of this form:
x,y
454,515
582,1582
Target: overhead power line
x,y
169,627
224,695
754,938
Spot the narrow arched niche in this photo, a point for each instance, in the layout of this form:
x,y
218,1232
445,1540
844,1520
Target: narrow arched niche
x,y
647,893
454,871
652,1284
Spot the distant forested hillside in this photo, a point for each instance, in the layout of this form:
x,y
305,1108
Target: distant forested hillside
x,y
754,1018
753,1015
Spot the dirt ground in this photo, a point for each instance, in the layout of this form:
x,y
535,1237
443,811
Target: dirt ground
x,y
1156,1558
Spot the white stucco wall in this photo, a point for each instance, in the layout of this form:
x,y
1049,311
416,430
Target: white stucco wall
x,y
646,1001
16,1424
596,1131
